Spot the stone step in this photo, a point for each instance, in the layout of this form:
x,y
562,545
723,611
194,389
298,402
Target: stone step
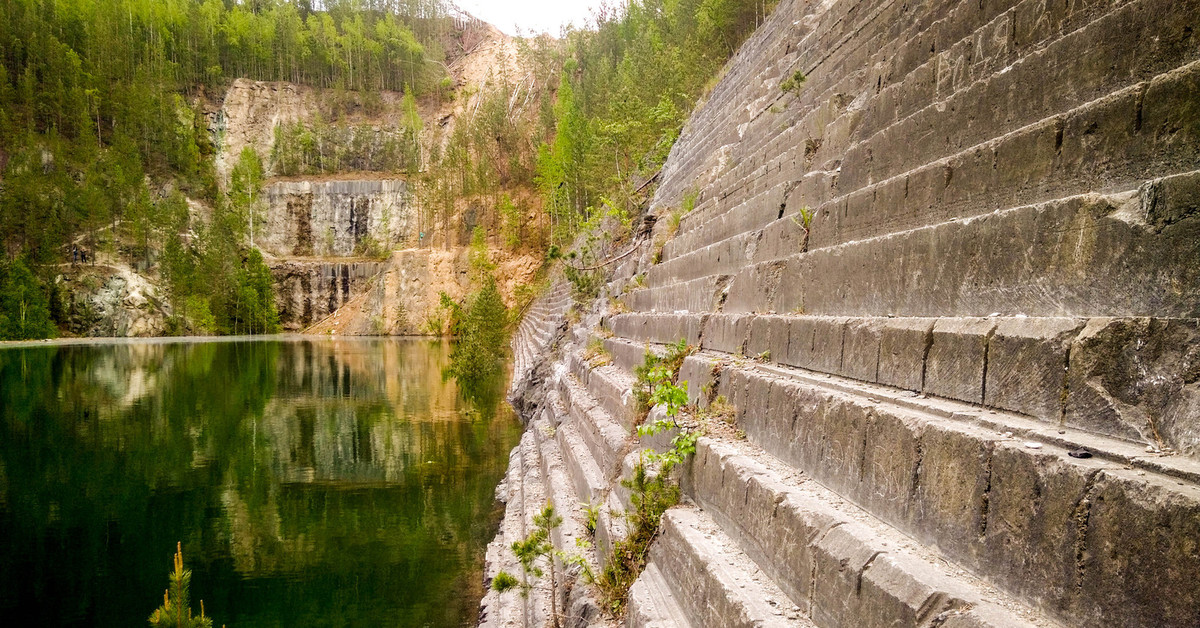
x,y
605,438
611,387
557,473
963,122
651,604
714,582
988,489
699,295
589,481
839,564
1007,503
1050,369
523,491
812,190
929,271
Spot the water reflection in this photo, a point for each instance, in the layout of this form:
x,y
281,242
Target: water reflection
x,y
315,483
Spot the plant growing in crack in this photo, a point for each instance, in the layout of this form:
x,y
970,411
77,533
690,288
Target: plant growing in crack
x,y
794,83
530,551
803,219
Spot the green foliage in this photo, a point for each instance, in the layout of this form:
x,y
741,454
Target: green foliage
x,y
595,354
511,222
478,256
482,329
650,497
624,94
328,148
504,582
97,98
794,83
537,546
805,219
591,513
689,201
176,611
667,394
24,307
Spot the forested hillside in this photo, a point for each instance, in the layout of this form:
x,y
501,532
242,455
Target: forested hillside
x,y
105,149
101,132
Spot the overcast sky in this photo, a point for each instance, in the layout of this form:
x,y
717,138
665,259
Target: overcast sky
x,y
530,15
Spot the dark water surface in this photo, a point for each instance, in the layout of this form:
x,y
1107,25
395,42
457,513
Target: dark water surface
x,y
312,482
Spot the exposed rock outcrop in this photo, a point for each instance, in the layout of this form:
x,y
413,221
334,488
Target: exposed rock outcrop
x,y
950,288
337,218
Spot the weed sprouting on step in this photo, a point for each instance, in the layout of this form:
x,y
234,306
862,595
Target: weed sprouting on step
x,y
646,381
650,497
651,494
591,513
794,83
596,355
804,221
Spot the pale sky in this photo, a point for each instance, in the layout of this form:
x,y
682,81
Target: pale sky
x,y
530,15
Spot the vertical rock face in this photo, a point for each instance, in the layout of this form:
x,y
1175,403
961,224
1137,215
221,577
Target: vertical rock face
x,y
964,255
336,218
307,292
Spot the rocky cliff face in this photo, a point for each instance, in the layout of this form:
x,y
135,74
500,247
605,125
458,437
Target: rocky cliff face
x,y
339,218
357,239
949,286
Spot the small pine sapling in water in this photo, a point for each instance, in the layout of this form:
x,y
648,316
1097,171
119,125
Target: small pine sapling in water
x,y
176,611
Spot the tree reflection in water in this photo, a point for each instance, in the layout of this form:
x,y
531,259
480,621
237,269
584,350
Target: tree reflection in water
x,y
312,482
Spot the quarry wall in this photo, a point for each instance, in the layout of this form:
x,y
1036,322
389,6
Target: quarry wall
x,y
950,286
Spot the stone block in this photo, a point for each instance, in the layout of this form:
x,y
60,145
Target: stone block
x,y
826,344
1171,113
1136,378
957,358
950,488
732,383
1031,536
1027,365
781,238
890,461
671,328
839,557
903,343
769,338
697,371
892,593
860,349
726,332
1170,200
835,443
1101,137
753,289
1138,560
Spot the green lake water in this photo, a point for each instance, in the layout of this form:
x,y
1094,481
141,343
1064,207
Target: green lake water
x,y
312,482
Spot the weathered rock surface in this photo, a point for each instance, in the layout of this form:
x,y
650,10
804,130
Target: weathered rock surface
x,y
336,218
951,288
112,301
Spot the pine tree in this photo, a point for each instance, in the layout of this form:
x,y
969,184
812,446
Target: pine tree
x,y
176,611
